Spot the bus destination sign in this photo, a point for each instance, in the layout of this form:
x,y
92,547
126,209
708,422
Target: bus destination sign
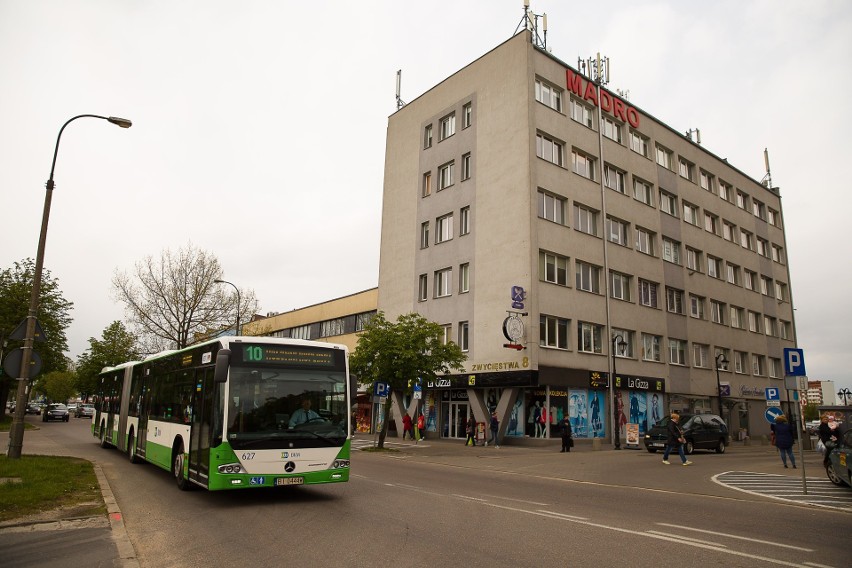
x,y
289,355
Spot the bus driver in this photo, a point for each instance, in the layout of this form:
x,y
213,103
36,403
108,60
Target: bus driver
x,y
304,414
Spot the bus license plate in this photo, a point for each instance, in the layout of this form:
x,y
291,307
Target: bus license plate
x,y
290,481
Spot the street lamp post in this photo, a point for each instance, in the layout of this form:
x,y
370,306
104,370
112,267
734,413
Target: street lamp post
x,y
617,341
16,431
721,364
845,393
237,331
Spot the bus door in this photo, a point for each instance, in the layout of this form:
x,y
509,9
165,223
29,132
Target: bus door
x,y
144,408
201,426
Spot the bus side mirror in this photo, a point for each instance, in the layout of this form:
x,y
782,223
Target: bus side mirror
x,y
223,361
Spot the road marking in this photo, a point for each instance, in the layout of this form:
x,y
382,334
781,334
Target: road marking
x,y
686,538
821,493
736,536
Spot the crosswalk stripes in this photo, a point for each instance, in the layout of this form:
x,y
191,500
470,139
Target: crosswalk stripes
x,y
821,492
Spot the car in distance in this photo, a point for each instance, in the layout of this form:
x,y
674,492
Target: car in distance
x,y
55,411
33,408
72,408
85,410
839,468
701,432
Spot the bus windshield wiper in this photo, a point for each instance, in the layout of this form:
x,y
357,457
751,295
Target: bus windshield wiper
x,y
327,439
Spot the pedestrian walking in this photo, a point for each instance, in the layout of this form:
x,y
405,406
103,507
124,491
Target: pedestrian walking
x,y
567,439
471,431
495,426
675,440
421,426
406,426
784,439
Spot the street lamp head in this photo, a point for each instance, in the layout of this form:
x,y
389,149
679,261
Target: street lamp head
x,y
122,122
721,362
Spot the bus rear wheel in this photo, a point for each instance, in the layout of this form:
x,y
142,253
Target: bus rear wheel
x,y
131,448
177,468
104,443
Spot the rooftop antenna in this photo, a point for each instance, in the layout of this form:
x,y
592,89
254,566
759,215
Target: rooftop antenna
x,y
767,179
530,22
697,133
623,94
399,102
595,68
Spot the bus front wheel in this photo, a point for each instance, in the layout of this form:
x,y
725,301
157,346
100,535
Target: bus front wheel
x,y
131,448
177,468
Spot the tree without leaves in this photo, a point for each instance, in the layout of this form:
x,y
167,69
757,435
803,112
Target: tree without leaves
x,y
116,346
400,353
171,300
16,285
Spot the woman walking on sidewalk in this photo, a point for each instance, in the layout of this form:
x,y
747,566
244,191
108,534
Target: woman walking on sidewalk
x,y
675,440
784,439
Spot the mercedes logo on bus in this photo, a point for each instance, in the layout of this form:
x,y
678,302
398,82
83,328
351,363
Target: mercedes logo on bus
x,y
289,467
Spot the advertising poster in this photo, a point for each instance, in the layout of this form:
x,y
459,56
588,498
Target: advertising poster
x,y
516,419
578,413
655,409
596,421
632,435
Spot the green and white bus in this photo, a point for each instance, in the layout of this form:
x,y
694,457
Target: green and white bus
x,y
233,412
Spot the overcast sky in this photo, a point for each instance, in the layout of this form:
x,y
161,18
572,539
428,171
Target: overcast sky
x,y
259,130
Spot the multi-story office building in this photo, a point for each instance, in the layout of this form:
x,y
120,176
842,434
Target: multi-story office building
x,y
545,222
821,392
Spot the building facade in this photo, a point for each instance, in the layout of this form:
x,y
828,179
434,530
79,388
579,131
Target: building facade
x,y
546,222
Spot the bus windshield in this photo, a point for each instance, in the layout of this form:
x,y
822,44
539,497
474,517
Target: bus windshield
x,y
286,408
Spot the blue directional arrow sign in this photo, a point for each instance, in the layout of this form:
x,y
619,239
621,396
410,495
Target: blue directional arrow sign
x,y
772,412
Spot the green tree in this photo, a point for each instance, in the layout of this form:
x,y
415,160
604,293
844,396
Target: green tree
x,y
57,386
172,300
399,353
16,286
811,412
117,345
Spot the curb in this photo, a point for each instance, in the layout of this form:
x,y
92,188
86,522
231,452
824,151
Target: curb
x,y
126,553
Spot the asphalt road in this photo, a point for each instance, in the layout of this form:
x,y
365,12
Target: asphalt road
x,y
440,502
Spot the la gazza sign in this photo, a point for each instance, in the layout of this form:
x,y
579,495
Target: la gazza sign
x,y
607,102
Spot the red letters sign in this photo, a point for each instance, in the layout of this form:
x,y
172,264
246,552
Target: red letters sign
x,y
608,103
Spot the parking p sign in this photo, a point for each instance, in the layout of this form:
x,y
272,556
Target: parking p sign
x,y
794,362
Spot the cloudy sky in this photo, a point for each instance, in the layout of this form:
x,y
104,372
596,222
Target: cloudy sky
x,y
259,129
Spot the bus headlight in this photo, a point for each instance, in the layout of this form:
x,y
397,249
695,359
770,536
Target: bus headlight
x,y
231,468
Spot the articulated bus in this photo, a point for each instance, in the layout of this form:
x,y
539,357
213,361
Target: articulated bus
x,y
232,412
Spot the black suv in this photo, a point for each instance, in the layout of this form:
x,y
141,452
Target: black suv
x,y
701,431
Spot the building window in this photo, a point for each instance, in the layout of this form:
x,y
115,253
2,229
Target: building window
x,y
774,368
705,180
464,278
464,329
585,220
773,217
700,355
690,214
750,281
770,326
671,250
677,351
617,231
648,293
619,286
696,306
427,136
644,241
693,259
583,164
444,228
734,274
746,239
643,191
589,337
581,113
758,365
330,328
588,277
626,342
711,223
465,166
664,157
668,203
674,300
548,95
614,179
717,312
638,143
780,291
301,332
548,149
448,333
448,126
726,191
737,317
777,254
742,200
766,287
714,267
361,320
754,322
686,170
553,332
464,220
443,282
740,359
553,268
762,247
551,207
759,209
651,347
611,129
423,288
467,115
427,184
729,231
424,235
445,175
785,329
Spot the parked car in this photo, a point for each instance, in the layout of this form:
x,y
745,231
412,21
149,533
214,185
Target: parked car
x,y
33,408
84,410
55,411
839,468
701,431
72,408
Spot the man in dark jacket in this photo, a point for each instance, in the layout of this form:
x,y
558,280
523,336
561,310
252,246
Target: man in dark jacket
x,y
827,435
784,439
675,440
